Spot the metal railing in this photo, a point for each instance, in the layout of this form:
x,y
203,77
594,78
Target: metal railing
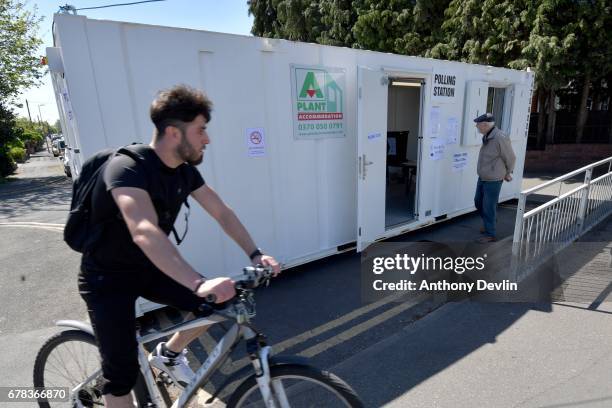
x,y
550,227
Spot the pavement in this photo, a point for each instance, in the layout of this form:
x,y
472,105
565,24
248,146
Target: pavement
x,y
397,352
486,354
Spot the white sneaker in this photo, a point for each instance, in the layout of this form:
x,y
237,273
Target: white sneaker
x,y
177,368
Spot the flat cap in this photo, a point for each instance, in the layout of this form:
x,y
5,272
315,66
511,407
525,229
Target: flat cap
x,y
485,117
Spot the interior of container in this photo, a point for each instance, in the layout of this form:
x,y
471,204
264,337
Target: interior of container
x,y
403,130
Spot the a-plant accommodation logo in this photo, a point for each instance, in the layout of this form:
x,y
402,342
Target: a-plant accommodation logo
x,y
318,106
319,96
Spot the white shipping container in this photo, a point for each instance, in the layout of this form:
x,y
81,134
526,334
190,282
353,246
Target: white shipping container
x,y
318,149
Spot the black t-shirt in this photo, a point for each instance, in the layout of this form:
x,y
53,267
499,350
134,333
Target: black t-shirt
x,y
167,187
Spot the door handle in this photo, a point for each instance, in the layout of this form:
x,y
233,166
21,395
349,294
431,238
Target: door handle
x,y
364,163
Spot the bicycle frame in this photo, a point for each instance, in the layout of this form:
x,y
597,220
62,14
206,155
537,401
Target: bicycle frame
x,y
215,359
241,329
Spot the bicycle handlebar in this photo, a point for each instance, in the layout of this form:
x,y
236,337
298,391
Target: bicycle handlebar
x,y
252,277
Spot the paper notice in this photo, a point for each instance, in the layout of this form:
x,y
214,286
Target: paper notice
x,y
452,130
460,161
434,121
436,149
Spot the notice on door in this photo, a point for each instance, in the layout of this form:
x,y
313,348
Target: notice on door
x,y
436,149
318,98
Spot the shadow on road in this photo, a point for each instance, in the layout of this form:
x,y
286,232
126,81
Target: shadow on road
x,y
381,354
21,197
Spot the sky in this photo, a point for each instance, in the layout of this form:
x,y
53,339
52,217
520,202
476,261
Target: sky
x,y
227,16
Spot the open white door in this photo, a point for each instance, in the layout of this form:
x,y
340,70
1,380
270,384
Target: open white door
x,y
475,105
519,123
371,155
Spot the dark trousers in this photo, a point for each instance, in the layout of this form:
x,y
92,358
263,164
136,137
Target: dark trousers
x,y
485,200
110,298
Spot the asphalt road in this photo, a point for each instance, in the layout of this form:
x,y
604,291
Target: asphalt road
x,y
314,310
395,352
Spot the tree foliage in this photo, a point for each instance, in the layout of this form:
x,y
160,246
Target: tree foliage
x,y
19,69
486,32
19,65
566,42
9,137
338,18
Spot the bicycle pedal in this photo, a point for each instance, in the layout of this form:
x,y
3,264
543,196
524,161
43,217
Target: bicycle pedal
x,y
164,378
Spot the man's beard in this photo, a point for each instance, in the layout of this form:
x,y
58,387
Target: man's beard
x,y
188,154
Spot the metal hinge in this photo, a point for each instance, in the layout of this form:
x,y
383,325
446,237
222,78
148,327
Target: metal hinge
x,y
359,231
359,92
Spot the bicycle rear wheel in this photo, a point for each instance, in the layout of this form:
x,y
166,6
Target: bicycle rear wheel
x,y
70,358
66,360
298,386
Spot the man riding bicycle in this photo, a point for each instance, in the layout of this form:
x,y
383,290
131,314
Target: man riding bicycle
x,y
137,202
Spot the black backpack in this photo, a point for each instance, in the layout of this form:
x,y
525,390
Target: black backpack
x,y
79,232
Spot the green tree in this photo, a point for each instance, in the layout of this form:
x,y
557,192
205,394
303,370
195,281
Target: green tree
x,y
337,19
264,17
9,138
593,54
381,24
551,52
486,32
566,42
295,20
57,127
426,21
32,133
20,67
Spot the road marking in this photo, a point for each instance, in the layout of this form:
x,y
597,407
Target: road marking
x,y
35,227
335,323
38,225
345,335
361,327
337,339
46,224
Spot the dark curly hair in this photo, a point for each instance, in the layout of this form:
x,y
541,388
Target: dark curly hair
x,y
178,105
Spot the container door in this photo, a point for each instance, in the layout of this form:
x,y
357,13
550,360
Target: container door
x,y
475,105
371,155
519,122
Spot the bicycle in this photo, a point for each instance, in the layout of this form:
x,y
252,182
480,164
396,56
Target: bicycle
x,y
277,381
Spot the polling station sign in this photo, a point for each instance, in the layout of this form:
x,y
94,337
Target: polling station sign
x,y
444,89
318,98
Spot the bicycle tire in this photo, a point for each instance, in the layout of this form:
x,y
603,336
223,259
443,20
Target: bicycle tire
x,y
64,337
331,382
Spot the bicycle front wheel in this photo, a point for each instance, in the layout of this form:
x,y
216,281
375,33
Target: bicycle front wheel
x,y
297,386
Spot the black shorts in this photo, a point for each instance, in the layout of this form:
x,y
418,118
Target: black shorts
x,y
111,298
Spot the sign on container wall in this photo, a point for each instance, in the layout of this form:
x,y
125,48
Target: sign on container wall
x,y
318,98
256,144
444,89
